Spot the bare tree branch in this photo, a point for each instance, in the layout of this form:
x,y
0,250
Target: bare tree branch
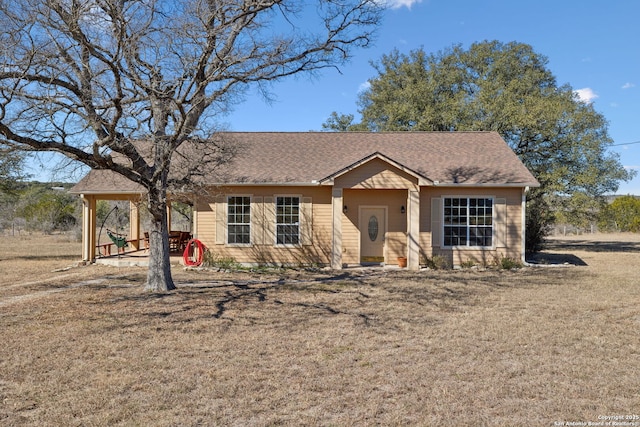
x,y
91,78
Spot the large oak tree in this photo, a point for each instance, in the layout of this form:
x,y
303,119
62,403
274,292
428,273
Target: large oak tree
x,y
90,78
503,87
11,168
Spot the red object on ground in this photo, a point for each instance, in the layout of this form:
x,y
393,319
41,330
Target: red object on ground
x,y
191,256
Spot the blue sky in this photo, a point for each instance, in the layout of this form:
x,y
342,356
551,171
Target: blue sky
x,y
591,45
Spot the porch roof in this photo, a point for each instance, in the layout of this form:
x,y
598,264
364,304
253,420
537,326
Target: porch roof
x,y
107,182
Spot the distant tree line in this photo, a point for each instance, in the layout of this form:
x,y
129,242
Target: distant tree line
x,y
35,206
623,214
613,214
50,208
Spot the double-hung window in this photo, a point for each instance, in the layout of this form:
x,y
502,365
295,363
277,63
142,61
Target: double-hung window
x,y
287,220
468,221
239,220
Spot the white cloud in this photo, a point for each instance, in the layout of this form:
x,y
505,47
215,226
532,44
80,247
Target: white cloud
x,y
364,86
628,85
586,95
397,4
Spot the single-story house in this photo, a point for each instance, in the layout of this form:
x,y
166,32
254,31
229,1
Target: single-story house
x,y
339,199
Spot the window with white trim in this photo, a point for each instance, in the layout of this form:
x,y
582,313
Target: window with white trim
x,y
287,220
238,220
468,221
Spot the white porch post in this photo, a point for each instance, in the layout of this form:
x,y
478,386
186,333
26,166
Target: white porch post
x,y
194,219
336,245
88,228
413,230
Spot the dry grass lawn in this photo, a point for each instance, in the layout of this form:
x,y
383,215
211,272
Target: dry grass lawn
x,y
87,346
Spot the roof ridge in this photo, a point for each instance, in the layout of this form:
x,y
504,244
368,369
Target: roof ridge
x,y
358,132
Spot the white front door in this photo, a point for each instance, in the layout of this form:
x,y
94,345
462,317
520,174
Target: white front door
x,y
373,227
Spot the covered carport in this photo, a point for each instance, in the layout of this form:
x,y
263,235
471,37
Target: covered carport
x,y
107,185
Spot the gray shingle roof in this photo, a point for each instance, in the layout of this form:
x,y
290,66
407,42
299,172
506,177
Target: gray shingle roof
x,y
106,182
466,158
447,157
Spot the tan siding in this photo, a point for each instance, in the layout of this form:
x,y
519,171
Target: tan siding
x,y
317,252
426,250
221,219
396,238
500,226
396,245
350,233
321,234
436,221
257,220
425,238
376,174
205,225
306,231
322,222
512,230
269,209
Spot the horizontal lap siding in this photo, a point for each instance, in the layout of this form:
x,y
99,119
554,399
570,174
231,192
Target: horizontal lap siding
x,y
376,175
514,229
396,239
513,239
375,183
317,252
350,235
205,220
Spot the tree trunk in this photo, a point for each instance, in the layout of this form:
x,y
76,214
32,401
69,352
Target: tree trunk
x,y
159,275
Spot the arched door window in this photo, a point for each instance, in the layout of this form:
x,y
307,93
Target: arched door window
x,y
373,228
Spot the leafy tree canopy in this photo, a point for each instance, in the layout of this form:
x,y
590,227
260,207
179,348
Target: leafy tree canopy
x,y
502,87
48,210
11,169
38,206
499,87
623,214
342,123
